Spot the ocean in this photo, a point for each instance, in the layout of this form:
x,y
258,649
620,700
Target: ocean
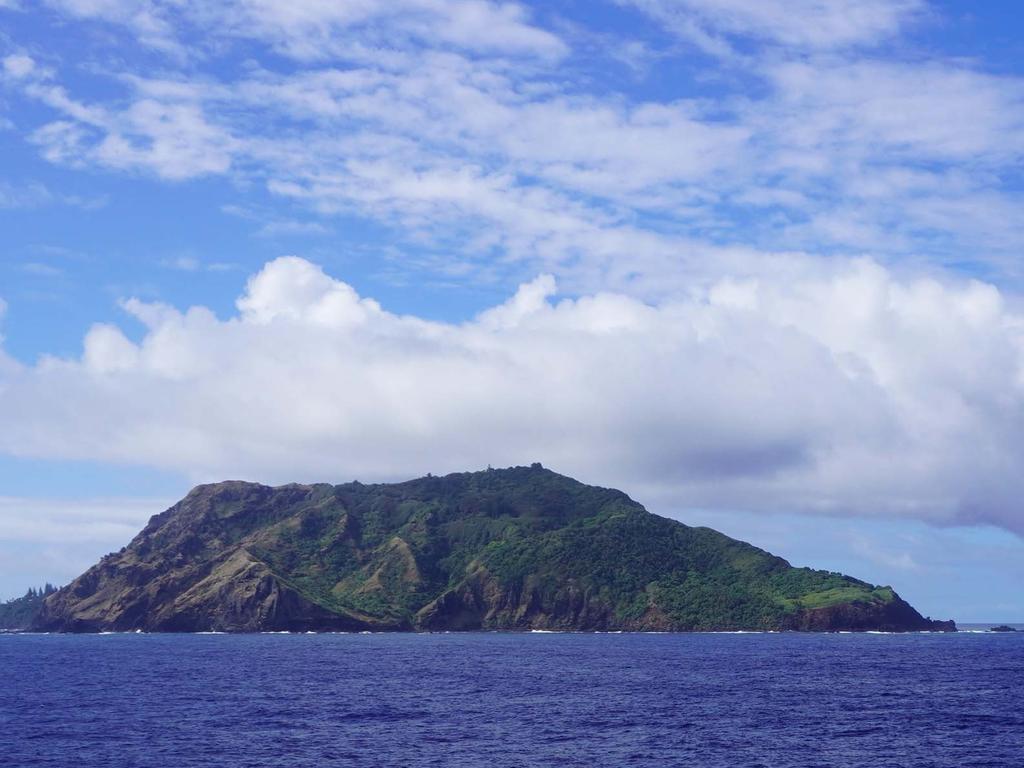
x,y
496,700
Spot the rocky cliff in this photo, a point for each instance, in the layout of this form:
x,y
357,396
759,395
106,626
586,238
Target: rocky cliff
x,y
514,549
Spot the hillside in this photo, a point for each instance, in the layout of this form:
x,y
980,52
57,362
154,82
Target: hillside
x,y
19,613
513,549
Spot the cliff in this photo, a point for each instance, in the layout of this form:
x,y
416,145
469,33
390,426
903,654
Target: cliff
x,y
514,549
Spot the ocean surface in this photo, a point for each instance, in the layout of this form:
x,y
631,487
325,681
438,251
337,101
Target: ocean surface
x,y
494,700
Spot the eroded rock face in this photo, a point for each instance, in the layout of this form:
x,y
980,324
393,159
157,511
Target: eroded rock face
x,y
190,570
517,549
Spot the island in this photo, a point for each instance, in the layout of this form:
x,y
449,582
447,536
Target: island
x,y
522,548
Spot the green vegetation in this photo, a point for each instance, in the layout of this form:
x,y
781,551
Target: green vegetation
x,y
515,548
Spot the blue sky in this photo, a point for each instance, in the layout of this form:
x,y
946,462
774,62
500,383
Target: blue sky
x,y
756,263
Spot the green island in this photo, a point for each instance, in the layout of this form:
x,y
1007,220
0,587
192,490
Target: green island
x,y
522,548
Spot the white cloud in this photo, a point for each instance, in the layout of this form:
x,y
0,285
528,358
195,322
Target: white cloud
x,y
313,29
187,263
893,157
34,194
174,142
18,65
309,29
929,111
286,227
814,24
40,269
27,195
292,289
147,19
173,139
107,350
843,390
183,263
475,158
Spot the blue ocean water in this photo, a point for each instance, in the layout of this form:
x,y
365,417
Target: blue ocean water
x,y
495,700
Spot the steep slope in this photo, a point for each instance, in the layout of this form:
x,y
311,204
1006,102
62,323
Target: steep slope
x,y
520,548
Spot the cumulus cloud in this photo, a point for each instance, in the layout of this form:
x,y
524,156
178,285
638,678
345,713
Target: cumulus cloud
x,y
841,391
